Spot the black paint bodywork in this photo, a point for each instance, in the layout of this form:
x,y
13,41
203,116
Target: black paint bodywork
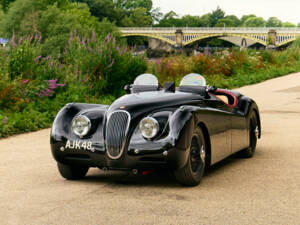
x,y
226,129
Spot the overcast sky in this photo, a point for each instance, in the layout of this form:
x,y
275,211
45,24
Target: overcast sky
x,y
285,10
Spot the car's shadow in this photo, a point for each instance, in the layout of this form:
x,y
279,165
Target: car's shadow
x,y
163,178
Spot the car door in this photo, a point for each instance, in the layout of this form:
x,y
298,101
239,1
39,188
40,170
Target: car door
x,y
219,122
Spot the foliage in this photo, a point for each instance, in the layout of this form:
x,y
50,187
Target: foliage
x,y
138,17
5,3
254,22
229,69
273,22
33,87
288,24
296,43
106,65
216,15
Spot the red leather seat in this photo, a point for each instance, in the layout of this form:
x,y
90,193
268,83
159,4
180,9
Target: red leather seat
x,y
232,99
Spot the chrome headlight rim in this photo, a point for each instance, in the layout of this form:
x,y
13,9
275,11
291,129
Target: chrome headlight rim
x,y
88,128
156,125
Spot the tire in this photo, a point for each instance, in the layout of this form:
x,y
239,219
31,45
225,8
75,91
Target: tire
x,y
192,172
253,136
72,172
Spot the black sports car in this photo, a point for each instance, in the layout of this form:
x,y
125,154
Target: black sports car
x,y
186,129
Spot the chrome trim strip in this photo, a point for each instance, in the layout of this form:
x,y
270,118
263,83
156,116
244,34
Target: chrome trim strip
x,y
125,137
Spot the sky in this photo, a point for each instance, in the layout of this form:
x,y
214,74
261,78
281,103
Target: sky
x,y
285,10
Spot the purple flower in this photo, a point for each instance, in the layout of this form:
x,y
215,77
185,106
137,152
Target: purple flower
x,y
71,36
37,59
20,41
107,38
118,48
53,84
87,40
36,36
93,35
31,37
13,43
24,82
112,63
40,39
4,120
114,40
82,41
50,65
47,58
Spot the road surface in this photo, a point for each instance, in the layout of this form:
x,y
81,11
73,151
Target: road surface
x,y
261,190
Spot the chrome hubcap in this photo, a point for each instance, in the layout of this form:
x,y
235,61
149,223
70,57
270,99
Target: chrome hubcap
x,y
202,154
256,132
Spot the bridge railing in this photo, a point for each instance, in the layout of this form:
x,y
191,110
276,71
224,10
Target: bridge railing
x,y
211,29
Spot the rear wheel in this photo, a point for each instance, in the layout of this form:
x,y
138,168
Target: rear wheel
x,y
72,172
192,172
253,136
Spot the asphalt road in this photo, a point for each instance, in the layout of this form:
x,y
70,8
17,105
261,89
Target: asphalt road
x,y
261,190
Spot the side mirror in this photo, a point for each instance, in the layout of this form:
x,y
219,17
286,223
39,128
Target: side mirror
x,y
127,89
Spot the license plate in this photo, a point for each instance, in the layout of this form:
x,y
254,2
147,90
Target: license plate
x,y
85,145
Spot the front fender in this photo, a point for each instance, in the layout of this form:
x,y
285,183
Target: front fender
x,y
61,128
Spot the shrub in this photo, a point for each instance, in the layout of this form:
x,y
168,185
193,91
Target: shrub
x,y
105,65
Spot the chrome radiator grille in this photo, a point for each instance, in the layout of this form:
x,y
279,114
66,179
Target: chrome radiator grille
x,y
116,131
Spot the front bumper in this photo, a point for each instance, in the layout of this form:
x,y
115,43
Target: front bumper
x,y
145,159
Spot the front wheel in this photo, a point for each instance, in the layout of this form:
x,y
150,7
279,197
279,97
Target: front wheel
x,y
72,172
192,172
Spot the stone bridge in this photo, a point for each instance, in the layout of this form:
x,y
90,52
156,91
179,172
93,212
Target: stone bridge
x,y
240,36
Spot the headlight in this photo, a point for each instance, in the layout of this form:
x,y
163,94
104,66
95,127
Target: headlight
x,y
81,125
149,127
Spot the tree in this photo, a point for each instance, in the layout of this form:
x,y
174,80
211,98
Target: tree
x,y
104,9
205,20
190,21
16,15
255,22
156,15
273,22
246,17
236,21
298,25
134,4
137,18
216,15
225,22
5,4
171,19
288,24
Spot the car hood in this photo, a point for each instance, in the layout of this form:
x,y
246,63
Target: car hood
x,y
146,102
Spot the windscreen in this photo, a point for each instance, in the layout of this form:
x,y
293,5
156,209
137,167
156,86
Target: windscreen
x,y
146,79
193,79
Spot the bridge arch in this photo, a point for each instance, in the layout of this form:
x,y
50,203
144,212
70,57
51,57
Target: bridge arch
x,y
161,38
286,42
224,35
